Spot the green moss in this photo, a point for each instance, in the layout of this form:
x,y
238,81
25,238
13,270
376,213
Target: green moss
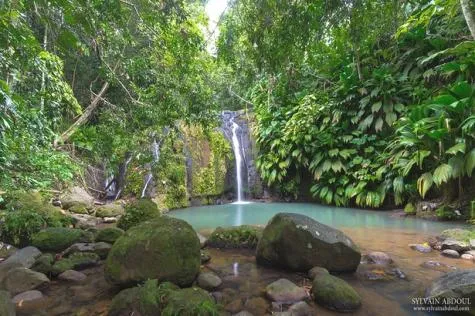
x,y
110,210
459,234
445,213
190,302
76,261
410,209
79,208
134,180
335,294
109,235
44,263
235,237
59,238
136,212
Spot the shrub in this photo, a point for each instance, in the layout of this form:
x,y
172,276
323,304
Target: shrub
x,y
19,226
410,209
136,212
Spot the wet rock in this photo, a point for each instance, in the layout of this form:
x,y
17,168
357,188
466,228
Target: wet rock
x,y
243,313
234,306
421,248
190,301
466,256
438,266
209,281
456,245
56,239
450,253
202,240
164,248
398,272
456,284
77,196
22,279
299,243
84,221
80,208
244,236
335,294
72,276
316,271
99,248
204,257
44,264
285,291
457,234
376,274
378,257
29,302
24,257
256,306
301,309
109,235
7,308
76,261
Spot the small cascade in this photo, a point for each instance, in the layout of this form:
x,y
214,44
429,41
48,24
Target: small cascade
x,y
238,158
155,149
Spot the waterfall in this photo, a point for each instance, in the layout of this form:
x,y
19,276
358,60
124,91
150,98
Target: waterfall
x,y
155,149
238,158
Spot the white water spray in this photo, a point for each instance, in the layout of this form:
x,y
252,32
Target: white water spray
x,y
238,158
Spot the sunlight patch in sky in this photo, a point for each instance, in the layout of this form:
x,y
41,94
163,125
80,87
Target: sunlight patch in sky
x,y
214,9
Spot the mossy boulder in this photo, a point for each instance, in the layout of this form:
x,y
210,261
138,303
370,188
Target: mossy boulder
x,y
299,243
44,263
7,308
137,212
458,234
244,236
190,302
410,209
56,239
109,234
334,293
77,196
454,285
80,208
76,261
165,248
110,210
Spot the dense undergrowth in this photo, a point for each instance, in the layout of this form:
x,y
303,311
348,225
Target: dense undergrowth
x,y
367,104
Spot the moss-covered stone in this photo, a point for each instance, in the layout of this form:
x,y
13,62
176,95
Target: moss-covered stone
x,y
77,196
334,293
410,209
44,263
109,234
7,308
458,234
110,210
59,238
190,302
138,211
244,236
165,248
445,212
145,300
76,261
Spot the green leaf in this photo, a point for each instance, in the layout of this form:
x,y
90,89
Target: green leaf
x,y
457,164
376,107
424,183
442,174
391,117
462,90
458,148
470,162
378,126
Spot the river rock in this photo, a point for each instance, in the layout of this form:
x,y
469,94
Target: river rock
x,y
299,243
76,261
110,210
204,257
7,308
456,284
438,266
466,256
72,276
450,253
301,309
29,302
209,281
84,221
56,239
77,196
234,306
6,251
378,257
163,248
109,234
316,271
256,306
202,239
335,294
190,301
421,248
99,248
285,291
456,245
244,236
243,313
22,279
24,257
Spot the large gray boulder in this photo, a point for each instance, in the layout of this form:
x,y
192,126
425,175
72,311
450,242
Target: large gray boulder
x,y
24,257
285,291
7,308
77,197
299,243
456,284
21,280
164,248
335,294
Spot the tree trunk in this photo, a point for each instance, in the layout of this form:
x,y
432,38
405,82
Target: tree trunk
x,y
467,13
84,117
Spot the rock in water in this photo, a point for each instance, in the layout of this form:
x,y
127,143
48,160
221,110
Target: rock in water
x,y
56,239
164,248
285,291
456,284
24,257
335,294
299,243
209,280
21,280
456,245
7,308
450,253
